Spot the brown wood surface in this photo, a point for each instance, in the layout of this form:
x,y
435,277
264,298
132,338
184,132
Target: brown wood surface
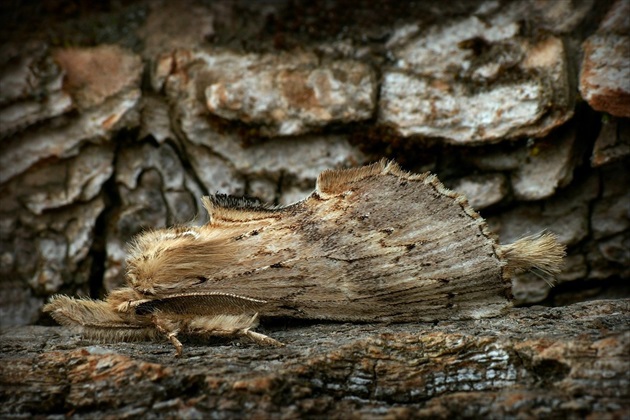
x,y
535,362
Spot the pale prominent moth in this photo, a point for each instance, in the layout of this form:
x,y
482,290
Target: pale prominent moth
x,y
369,244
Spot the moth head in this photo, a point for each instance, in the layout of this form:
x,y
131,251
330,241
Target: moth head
x,y
123,300
165,261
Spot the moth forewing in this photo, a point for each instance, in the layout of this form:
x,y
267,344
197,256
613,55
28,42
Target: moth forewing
x,y
374,243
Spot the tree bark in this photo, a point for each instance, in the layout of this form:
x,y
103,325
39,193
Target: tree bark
x,y
535,362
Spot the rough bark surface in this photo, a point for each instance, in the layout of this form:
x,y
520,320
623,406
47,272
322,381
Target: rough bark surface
x,y
535,362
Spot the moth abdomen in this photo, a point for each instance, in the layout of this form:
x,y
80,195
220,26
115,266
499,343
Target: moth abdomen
x,y
539,252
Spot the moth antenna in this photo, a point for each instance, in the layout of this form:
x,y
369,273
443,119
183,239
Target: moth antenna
x,y
540,253
97,319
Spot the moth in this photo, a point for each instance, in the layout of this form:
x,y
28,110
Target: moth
x,y
373,244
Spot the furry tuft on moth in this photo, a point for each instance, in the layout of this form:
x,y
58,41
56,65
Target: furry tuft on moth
x,y
369,244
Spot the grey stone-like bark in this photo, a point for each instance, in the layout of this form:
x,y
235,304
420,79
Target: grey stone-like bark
x,y
605,73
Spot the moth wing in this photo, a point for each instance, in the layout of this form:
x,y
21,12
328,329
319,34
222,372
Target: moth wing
x,y
369,243
200,304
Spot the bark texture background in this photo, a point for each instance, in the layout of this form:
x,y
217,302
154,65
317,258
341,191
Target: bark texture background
x,y
117,117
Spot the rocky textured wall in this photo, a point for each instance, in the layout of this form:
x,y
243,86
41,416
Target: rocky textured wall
x,y
117,118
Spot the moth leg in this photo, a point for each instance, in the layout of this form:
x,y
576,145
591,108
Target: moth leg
x,y
170,330
230,326
259,338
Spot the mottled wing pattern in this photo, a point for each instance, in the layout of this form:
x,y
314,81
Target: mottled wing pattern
x,y
374,243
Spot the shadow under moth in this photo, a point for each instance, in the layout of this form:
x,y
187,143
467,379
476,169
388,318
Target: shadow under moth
x,y
369,244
